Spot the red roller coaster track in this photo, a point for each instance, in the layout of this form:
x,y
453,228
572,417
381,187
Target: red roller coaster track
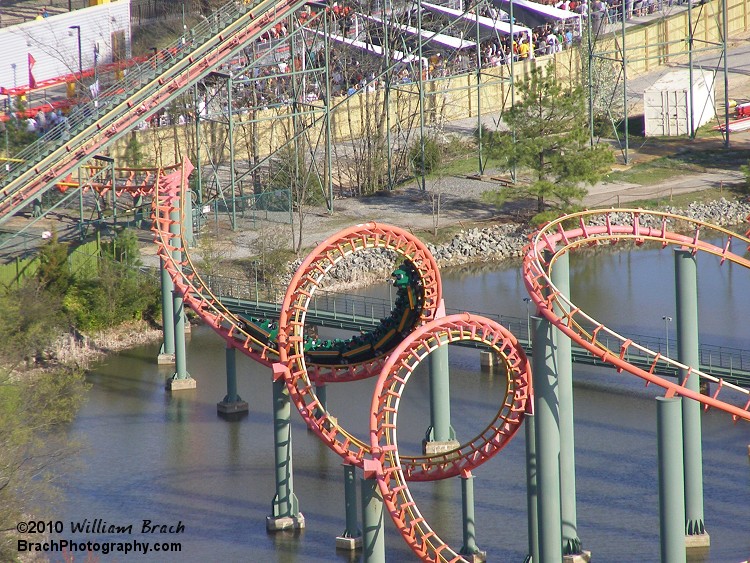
x,y
380,457
393,471
291,364
600,226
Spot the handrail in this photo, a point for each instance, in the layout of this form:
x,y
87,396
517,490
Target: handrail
x,y
142,92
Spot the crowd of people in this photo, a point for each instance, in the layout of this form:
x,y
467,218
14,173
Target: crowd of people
x,y
351,70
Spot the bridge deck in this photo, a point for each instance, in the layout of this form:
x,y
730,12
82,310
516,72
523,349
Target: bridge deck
x,y
335,310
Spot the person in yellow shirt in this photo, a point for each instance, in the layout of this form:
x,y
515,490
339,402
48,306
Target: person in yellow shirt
x,y
523,50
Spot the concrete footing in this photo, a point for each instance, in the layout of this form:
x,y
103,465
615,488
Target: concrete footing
x,y
232,407
487,360
432,448
697,541
349,544
165,359
281,523
478,557
180,384
583,557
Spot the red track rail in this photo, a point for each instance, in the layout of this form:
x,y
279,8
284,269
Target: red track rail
x,y
554,239
307,279
392,471
126,115
167,215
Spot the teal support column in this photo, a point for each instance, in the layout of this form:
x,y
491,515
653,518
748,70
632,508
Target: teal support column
x,y
531,487
373,541
285,513
188,203
547,434
440,436
138,211
671,481
351,539
321,392
181,378
469,546
686,290
166,353
232,403
571,542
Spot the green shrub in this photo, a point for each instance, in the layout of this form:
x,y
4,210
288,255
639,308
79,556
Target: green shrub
x,y
433,154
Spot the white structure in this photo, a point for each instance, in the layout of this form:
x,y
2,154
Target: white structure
x,y
53,44
671,107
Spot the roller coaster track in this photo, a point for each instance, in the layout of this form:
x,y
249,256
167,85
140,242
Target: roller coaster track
x,y
94,126
602,226
391,470
394,367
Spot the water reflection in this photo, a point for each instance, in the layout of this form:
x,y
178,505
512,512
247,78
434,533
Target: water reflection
x,y
170,457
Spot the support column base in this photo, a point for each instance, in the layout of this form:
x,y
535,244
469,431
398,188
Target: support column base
x,y
165,359
348,543
476,557
697,541
281,523
180,384
432,448
487,360
232,407
583,557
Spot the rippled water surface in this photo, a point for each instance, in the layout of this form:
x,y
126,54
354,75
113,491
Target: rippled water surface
x,y
169,458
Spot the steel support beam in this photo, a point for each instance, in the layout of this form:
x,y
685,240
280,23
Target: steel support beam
x,y
285,513
671,483
532,491
351,539
688,353
373,540
469,546
232,403
547,441
571,542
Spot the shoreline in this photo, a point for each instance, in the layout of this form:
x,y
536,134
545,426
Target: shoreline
x,y
499,243
495,244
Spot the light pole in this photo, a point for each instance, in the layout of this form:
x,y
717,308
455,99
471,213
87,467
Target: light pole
x,y
80,58
527,300
667,319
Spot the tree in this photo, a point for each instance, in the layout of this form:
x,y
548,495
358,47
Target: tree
x,y
53,273
34,413
547,135
133,155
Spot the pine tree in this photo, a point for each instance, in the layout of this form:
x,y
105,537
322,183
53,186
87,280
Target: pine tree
x,y
547,136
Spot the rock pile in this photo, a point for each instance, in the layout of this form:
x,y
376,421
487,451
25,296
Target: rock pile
x,y
500,242
497,242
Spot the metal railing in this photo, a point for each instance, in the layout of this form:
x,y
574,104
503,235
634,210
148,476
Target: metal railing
x,y
134,79
369,310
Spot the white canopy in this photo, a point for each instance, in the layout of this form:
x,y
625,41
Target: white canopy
x,y
431,36
369,47
533,13
484,22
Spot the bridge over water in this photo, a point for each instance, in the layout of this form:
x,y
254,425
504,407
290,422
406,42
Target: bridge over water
x,y
358,312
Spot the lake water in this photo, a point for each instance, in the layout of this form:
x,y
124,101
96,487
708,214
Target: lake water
x,y
168,458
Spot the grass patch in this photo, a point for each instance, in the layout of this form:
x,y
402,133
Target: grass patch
x,y
685,199
655,171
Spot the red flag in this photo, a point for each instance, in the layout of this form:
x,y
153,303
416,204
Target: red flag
x,y
32,82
